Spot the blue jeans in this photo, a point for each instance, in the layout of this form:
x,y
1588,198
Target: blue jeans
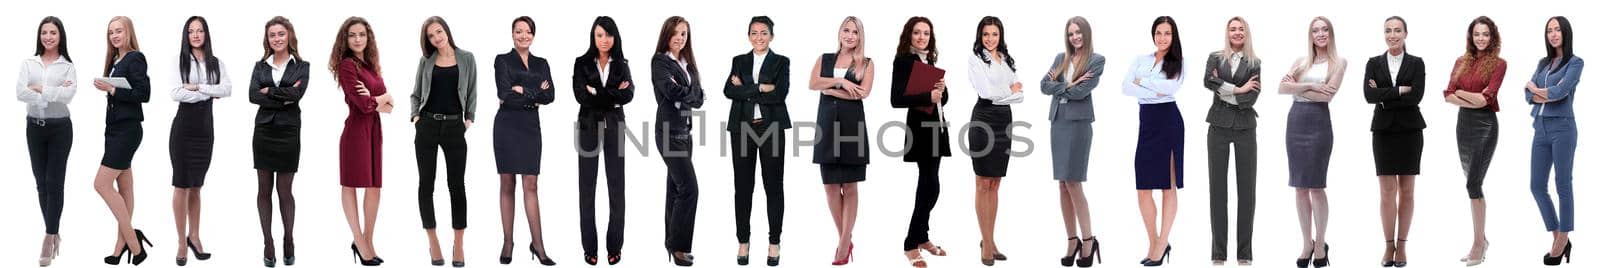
x,y
1555,140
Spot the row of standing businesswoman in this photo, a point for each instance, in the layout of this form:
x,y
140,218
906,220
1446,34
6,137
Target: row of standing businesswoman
x,y
443,106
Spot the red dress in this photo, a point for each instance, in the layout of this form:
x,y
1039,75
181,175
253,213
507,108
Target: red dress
x,y
361,145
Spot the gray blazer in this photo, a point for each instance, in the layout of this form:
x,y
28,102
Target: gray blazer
x,y
1079,104
1220,74
466,87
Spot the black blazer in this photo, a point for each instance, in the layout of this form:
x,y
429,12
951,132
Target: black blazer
x,y
509,72
1395,111
127,105
606,103
280,106
674,85
920,145
1224,114
748,96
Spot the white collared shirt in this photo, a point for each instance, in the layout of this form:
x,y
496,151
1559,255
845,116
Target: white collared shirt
x,y
51,100
1394,66
756,60
993,80
197,75
1154,86
279,70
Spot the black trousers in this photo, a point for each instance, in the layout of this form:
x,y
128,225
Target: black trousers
x,y
683,189
1217,151
449,135
49,143
603,141
749,149
927,196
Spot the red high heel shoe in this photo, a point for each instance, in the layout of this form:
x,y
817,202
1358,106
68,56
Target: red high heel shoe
x,y
847,256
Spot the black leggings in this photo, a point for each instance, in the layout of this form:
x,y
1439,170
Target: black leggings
x,y
747,152
449,135
603,141
49,143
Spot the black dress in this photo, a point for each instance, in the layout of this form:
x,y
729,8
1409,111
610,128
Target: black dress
x,y
518,143
843,157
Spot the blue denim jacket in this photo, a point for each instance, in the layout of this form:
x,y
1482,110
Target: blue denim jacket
x,y
1561,83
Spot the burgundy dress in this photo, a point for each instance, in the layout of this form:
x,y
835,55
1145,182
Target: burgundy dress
x,y
361,145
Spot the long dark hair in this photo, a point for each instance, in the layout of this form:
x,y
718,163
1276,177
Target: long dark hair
x,y
1480,62
186,54
292,44
977,42
341,47
1566,44
1172,62
610,26
670,28
61,39
905,39
427,47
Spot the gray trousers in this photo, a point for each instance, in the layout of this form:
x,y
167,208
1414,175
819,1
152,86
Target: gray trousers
x,y
1217,141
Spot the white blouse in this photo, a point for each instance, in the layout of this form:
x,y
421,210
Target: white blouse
x,y
197,76
993,80
1153,86
51,101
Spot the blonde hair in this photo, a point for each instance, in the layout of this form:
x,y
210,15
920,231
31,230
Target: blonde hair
x,y
111,50
1311,47
1247,49
857,54
1078,66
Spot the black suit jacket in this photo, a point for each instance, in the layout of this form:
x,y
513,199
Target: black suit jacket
x,y
509,72
747,96
127,105
606,103
923,143
673,85
1394,111
280,106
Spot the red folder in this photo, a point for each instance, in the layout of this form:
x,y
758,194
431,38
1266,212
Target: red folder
x,y
923,76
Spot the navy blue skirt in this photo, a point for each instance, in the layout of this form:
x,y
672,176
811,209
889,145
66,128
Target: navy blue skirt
x,y
1158,160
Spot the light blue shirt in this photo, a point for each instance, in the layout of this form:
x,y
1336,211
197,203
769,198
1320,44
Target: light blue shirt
x,y
1153,86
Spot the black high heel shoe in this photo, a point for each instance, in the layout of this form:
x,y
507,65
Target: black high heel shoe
x,y
506,258
1164,254
288,252
1094,252
686,260
773,260
743,260
1566,253
1398,262
591,259
543,260
115,259
1306,262
199,255
1322,262
143,251
1072,250
356,253
613,258
1388,257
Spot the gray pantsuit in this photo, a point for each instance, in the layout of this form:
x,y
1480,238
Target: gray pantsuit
x,y
1233,121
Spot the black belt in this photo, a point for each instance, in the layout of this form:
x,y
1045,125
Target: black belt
x,y
48,121
440,117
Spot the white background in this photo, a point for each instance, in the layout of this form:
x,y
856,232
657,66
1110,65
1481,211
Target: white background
x,y
1030,229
